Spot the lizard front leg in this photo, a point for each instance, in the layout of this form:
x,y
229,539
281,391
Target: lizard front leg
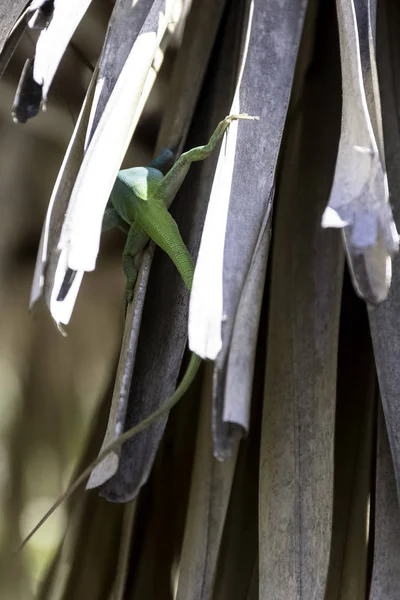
x,y
112,219
170,184
135,242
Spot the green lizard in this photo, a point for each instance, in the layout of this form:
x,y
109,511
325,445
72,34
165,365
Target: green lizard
x,y
138,205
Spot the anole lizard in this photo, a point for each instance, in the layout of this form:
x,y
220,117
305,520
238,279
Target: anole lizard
x,y
139,204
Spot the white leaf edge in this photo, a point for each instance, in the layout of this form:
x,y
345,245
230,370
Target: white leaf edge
x,y
80,238
54,40
206,300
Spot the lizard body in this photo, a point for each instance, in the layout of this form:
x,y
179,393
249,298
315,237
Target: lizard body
x,y
138,205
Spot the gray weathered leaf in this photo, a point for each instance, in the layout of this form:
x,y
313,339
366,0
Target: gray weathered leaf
x,y
187,79
359,200
81,231
355,429
206,301
10,11
264,91
241,360
124,28
115,128
386,564
10,38
107,468
48,254
296,463
126,22
54,40
384,320
208,502
237,570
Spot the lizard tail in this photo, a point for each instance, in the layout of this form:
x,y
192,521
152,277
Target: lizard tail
x,y
193,367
